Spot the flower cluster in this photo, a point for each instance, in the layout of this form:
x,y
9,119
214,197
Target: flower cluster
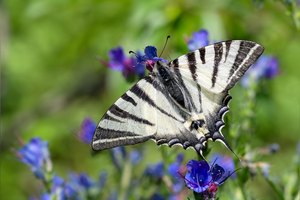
x,y
203,178
36,155
78,187
133,66
170,174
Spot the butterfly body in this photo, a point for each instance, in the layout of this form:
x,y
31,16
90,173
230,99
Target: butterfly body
x,y
180,102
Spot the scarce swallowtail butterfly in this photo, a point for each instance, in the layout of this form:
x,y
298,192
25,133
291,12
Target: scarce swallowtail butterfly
x,y
180,102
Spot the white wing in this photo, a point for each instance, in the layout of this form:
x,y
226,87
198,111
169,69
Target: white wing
x,y
218,67
215,69
144,112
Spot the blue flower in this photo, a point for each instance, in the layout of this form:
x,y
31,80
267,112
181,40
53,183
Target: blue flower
x,y
149,59
174,170
102,180
155,170
201,177
198,40
57,189
127,65
86,133
265,67
157,196
36,155
82,185
225,161
135,157
118,156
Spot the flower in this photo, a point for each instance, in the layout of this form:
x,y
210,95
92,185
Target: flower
x,y
225,161
86,133
175,170
83,185
198,40
118,61
35,154
149,59
155,170
265,67
157,196
118,156
56,191
135,157
201,177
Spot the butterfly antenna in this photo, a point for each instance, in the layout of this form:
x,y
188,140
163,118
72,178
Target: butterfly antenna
x,y
168,37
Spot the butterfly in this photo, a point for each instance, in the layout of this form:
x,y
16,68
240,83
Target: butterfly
x,y
181,102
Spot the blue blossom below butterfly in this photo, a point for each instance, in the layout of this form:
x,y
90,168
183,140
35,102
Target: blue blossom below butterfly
x,y
203,178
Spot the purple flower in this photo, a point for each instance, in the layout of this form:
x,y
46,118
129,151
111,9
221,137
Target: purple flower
x,y
35,154
155,170
201,177
265,67
127,65
198,40
86,133
149,59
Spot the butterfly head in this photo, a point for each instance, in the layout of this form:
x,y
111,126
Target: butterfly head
x,y
162,70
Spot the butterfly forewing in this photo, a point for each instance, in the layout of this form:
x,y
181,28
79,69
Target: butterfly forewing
x,y
144,112
219,66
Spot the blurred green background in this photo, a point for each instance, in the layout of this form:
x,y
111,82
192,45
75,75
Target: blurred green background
x,y
51,77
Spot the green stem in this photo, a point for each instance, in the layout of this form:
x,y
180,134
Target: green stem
x,y
125,180
245,197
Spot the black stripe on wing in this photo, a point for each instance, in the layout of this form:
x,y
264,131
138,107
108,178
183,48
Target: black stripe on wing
x,y
111,118
218,47
190,104
192,64
139,92
202,55
126,115
128,99
109,138
243,52
227,44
